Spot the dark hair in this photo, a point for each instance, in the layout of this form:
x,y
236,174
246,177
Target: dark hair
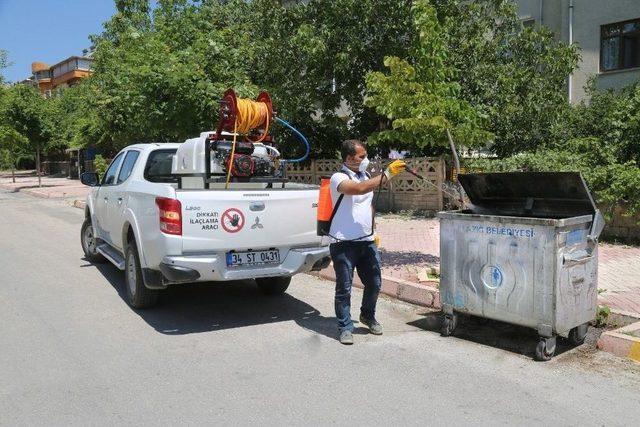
x,y
349,148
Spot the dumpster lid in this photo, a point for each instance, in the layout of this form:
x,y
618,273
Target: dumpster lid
x,y
531,194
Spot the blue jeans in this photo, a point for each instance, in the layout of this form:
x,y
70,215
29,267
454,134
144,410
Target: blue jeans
x,y
365,258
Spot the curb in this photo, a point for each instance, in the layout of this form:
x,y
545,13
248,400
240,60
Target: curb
x,y
622,342
34,192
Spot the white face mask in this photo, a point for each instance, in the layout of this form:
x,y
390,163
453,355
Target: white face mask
x,y
364,165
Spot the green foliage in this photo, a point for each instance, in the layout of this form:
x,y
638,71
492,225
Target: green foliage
x,y
421,99
13,147
600,140
100,165
24,110
4,63
602,316
158,75
313,59
514,76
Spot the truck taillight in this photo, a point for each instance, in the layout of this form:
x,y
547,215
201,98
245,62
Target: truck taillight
x,y
170,212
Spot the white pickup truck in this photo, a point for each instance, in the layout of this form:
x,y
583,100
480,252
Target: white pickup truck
x,y
139,219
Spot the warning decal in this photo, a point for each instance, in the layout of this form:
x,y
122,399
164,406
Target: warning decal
x,y
232,220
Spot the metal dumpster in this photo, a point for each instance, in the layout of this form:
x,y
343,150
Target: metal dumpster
x,y
526,253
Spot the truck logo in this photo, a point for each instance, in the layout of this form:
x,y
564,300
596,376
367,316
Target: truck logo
x,y
232,220
257,224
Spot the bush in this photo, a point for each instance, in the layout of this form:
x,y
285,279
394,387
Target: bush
x,y
610,182
601,140
100,165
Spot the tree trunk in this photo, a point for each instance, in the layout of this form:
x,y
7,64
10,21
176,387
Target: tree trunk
x,y
38,167
13,173
456,161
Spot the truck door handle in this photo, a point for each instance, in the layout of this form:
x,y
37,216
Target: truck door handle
x,y
106,199
119,200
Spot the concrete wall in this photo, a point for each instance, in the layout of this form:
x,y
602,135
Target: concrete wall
x,y
589,15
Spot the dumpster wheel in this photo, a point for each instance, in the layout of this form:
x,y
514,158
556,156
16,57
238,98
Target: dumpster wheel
x,y
578,334
545,349
449,323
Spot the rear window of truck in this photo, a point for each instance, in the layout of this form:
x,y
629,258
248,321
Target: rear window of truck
x,y
158,167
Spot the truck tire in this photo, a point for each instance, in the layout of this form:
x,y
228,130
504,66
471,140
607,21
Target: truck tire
x,y
90,242
273,285
138,295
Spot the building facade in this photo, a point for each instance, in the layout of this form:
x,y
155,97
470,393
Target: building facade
x,y
63,74
607,32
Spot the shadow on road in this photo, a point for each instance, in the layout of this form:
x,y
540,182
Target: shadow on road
x,y
504,336
204,307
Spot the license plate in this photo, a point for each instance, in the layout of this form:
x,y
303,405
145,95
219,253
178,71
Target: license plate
x,y
235,259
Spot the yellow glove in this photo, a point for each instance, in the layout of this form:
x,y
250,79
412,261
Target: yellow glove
x,y
395,168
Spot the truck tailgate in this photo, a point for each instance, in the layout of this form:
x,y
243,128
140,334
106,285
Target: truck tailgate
x,y
215,220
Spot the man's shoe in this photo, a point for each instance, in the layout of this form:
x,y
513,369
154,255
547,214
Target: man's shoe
x,y
374,327
346,337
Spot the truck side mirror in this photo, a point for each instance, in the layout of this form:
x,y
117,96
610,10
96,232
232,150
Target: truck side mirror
x,y
90,178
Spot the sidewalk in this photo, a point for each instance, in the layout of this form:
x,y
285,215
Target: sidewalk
x,y
52,187
408,247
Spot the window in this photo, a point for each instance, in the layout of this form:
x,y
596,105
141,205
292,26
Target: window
x,y
620,46
127,165
85,64
528,23
110,174
158,167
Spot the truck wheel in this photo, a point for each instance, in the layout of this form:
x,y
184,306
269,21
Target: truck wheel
x,y
273,285
138,295
89,242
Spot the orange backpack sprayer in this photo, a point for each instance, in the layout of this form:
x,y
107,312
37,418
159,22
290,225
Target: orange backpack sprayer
x,y
326,212
326,209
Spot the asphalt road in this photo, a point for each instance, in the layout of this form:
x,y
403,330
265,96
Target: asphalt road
x,y
72,352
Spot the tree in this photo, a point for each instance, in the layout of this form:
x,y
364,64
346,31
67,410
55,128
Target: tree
x,y
12,148
313,58
27,112
160,79
600,139
4,63
159,75
514,76
422,99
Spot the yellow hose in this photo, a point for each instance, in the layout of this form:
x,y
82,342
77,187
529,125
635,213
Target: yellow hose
x,y
250,115
233,151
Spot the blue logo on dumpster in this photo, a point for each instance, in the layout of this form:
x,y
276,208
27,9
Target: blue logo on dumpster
x,y
492,276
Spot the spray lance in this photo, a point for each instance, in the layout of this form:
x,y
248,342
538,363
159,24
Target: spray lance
x,y
455,197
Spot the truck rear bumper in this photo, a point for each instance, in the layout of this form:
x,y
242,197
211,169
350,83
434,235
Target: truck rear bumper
x,y
213,267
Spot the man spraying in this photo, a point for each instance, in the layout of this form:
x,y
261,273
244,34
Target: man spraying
x,y
351,232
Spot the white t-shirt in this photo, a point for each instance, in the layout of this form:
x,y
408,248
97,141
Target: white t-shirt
x,y
353,217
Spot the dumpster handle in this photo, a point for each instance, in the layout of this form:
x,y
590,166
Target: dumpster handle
x,y
578,257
